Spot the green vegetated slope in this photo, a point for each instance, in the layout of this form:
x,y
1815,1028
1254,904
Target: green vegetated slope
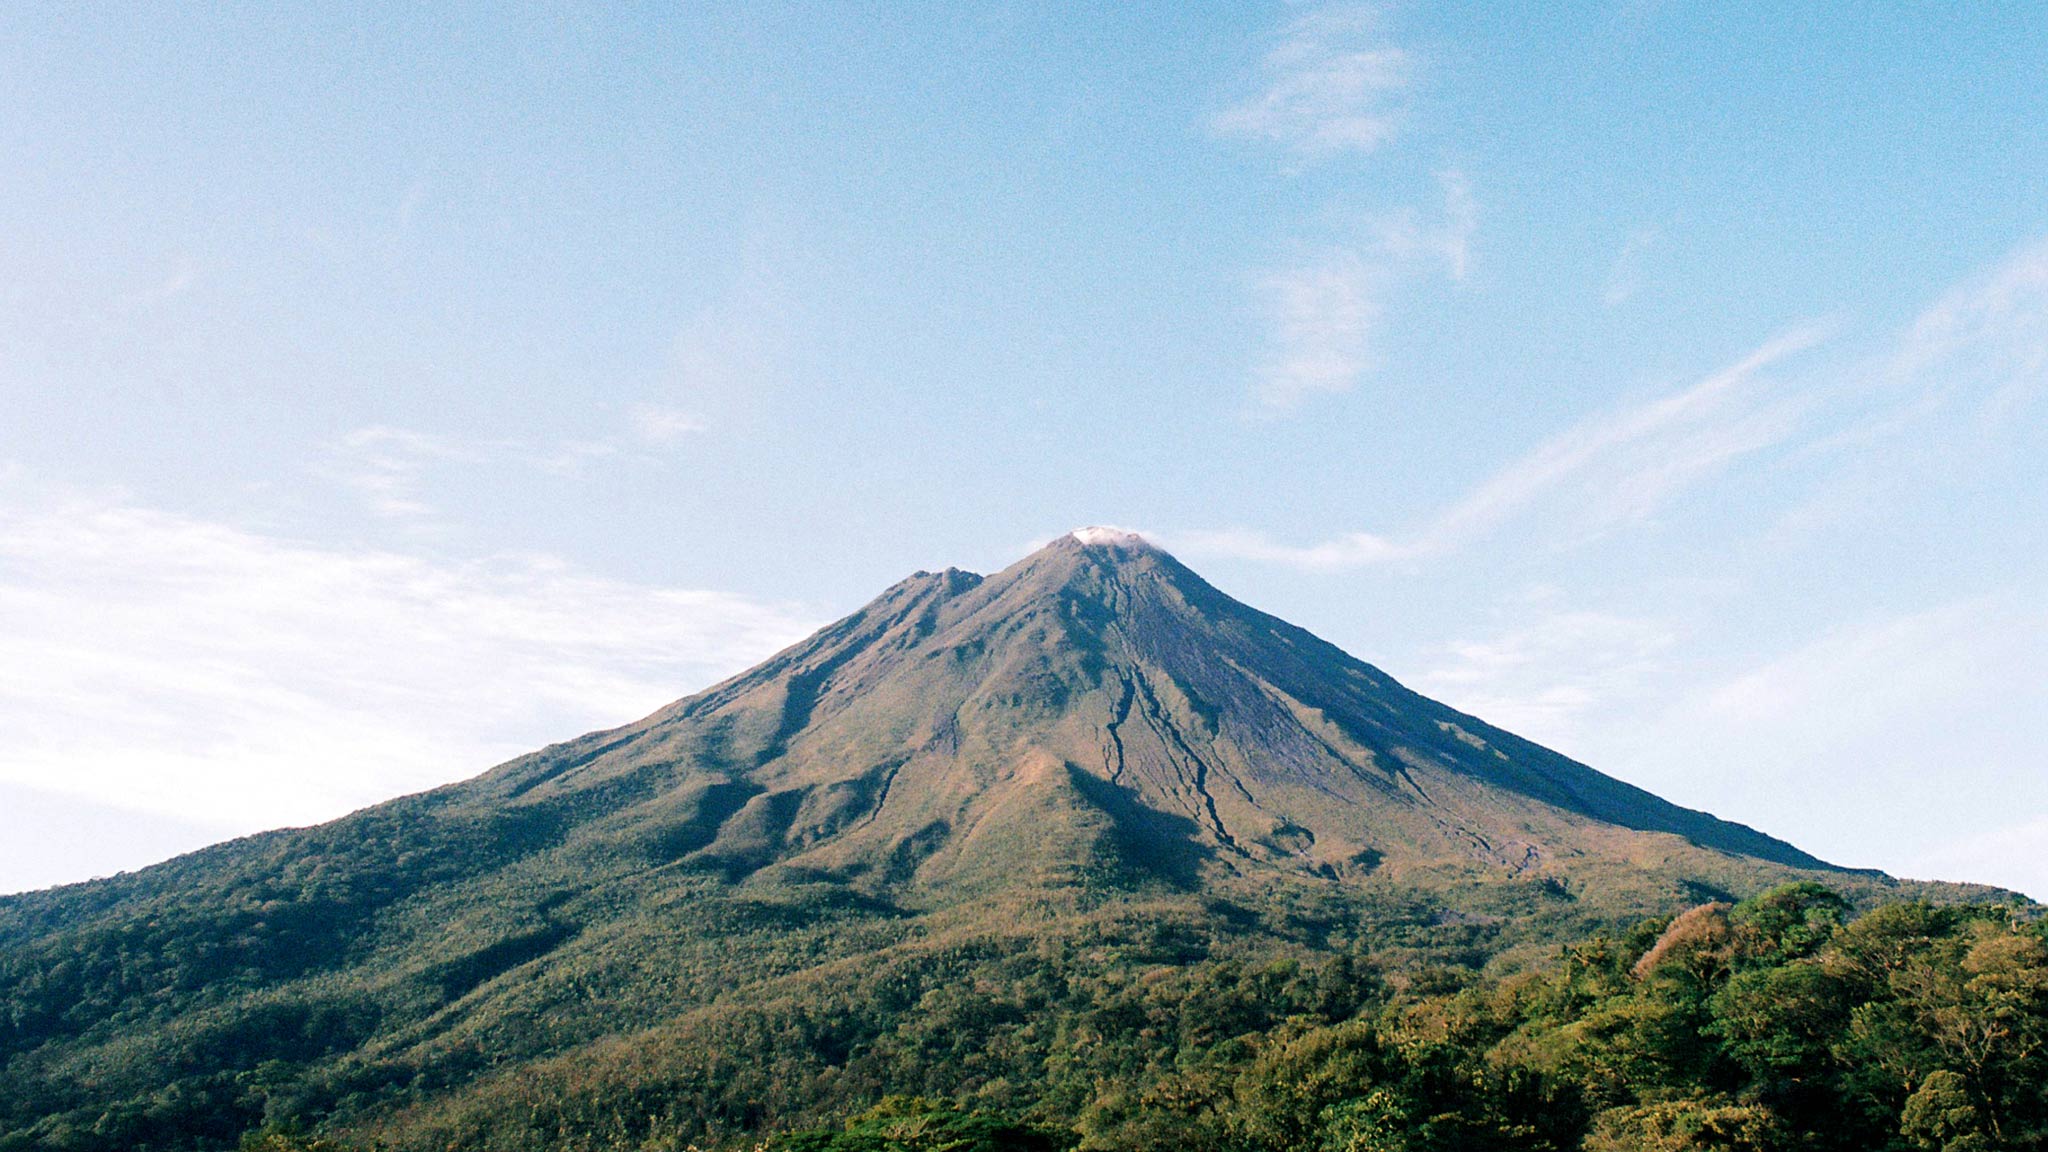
x,y
1771,1025
922,852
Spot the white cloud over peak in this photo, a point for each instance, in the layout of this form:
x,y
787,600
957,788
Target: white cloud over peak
x,y
1352,550
169,664
1330,85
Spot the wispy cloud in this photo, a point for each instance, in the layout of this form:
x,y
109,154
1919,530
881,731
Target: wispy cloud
x,y
651,430
178,282
389,468
1950,392
570,457
1332,84
1624,465
1409,239
1461,222
171,664
658,424
47,838
1986,341
2011,855
384,466
1882,665
1539,676
1608,469
1625,278
1321,313
1322,309
1883,741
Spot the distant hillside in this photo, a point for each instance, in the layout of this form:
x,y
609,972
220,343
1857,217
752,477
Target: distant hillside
x,y
907,854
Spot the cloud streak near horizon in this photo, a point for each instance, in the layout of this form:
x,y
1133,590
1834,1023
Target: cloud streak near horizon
x,y
161,662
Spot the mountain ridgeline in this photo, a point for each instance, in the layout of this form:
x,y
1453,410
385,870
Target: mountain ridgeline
x,y
909,854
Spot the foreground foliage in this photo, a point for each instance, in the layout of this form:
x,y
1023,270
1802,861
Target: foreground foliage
x,y
916,1124
1771,1024
1767,1025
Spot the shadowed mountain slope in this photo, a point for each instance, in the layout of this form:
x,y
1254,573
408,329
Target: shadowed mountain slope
x,y
721,916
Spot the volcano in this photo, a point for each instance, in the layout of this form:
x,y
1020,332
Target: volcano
x,y
1090,762
1097,703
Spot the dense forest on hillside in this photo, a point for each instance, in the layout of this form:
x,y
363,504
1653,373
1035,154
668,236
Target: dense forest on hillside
x,y
1781,1022
1771,1024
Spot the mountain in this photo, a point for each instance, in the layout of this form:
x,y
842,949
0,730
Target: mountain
x,y
1098,705
972,805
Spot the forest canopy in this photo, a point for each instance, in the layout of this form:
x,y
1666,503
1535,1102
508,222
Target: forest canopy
x,y
1769,1024
1776,1023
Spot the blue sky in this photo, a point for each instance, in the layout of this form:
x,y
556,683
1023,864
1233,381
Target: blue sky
x,y
388,393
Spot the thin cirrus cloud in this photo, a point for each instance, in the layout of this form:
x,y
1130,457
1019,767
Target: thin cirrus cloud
x,y
1407,239
1866,716
656,424
1322,310
1541,676
1330,85
1320,313
389,468
205,673
651,429
1616,467
384,467
1984,343
2013,856
1333,84
1625,276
